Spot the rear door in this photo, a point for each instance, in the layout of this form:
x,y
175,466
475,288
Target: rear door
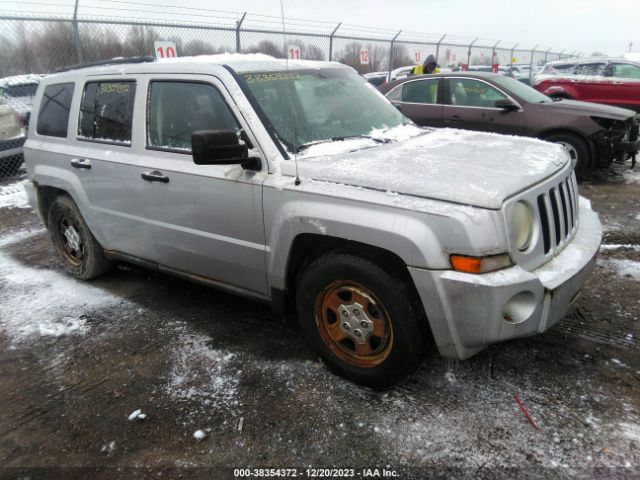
x,y
419,100
592,85
204,220
470,104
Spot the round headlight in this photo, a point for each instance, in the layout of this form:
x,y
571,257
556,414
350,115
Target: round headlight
x,y
521,226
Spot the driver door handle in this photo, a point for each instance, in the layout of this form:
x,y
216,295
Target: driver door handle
x,y
154,176
81,163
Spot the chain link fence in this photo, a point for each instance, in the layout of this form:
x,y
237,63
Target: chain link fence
x,y
36,45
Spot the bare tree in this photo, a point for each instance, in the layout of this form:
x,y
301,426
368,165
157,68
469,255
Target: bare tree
x,y
267,47
350,55
199,47
313,52
401,57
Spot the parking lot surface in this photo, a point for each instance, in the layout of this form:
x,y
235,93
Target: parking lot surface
x,y
78,359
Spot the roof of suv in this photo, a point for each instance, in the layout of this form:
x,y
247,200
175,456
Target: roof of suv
x,y
239,62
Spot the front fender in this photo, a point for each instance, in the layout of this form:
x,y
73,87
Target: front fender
x,y
423,233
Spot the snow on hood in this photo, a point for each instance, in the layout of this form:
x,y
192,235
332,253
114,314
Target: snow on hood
x,y
472,168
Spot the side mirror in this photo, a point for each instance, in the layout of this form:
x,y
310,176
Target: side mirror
x,y
506,104
221,147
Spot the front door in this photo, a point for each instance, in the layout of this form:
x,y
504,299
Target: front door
x,y
471,105
205,220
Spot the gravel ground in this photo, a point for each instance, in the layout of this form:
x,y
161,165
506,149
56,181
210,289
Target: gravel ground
x,y
78,359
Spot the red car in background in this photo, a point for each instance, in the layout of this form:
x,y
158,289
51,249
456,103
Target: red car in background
x,y
602,80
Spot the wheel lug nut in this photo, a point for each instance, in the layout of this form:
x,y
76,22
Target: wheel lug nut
x,y
346,326
358,333
345,313
356,312
363,324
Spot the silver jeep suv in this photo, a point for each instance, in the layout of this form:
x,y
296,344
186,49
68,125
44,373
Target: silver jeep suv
x,y
297,183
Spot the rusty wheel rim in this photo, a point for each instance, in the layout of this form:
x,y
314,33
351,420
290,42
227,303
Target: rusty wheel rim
x,y
73,250
354,324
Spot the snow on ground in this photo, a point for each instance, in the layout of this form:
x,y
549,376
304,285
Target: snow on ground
x,y
617,246
202,373
14,195
58,304
624,268
632,176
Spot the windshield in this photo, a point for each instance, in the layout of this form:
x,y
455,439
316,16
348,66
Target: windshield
x,y
525,92
309,106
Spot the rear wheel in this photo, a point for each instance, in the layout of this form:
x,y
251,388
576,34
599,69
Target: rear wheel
x,y
80,252
577,148
362,320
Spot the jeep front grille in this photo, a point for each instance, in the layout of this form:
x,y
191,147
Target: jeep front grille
x,y
558,210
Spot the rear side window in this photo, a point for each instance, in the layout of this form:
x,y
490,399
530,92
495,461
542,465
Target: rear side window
x,y
53,116
590,69
177,109
625,70
106,112
420,91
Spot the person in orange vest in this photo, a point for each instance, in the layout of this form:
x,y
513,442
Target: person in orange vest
x,y
429,66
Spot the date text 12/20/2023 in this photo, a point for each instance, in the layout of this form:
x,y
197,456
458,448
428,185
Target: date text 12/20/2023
x,y
375,472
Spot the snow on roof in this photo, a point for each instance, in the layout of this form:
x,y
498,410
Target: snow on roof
x,y
244,62
20,79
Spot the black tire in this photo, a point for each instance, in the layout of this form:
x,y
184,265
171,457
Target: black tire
x,y
89,260
407,340
578,145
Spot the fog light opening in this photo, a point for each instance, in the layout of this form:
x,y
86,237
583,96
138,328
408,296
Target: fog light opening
x,y
519,308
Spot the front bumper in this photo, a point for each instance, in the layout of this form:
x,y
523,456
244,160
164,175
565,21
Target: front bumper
x,y
469,312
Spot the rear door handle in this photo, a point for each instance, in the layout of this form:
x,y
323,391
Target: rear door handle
x,y
154,176
81,163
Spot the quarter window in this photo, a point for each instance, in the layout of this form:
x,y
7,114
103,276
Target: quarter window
x,y
420,91
106,112
473,93
177,109
53,117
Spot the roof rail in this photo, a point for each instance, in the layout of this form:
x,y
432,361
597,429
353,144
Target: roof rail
x,y
111,61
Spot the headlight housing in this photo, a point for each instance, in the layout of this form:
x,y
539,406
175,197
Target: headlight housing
x,y
521,223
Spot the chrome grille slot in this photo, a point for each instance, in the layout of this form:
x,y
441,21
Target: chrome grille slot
x,y
558,213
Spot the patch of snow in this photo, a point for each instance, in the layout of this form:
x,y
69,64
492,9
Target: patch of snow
x,y
58,304
14,195
109,447
617,246
624,268
136,415
630,430
199,435
631,176
202,373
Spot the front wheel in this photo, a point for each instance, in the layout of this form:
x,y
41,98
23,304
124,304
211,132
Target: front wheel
x,y
577,148
362,320
81,254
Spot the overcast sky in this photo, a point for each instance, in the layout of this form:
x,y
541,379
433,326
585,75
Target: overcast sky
x,y
584,25
580,25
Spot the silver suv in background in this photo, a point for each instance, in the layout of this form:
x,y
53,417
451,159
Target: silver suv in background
x,y
297,183
12,137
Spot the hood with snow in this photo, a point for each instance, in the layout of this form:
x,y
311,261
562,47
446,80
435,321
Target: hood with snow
x,y
464,167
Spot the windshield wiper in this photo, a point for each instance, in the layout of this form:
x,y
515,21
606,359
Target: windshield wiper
x,y
342,138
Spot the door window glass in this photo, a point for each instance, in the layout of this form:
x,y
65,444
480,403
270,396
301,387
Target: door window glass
x,y
106,112
53,117
625,70
421,91
468,92
590,69
177,109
